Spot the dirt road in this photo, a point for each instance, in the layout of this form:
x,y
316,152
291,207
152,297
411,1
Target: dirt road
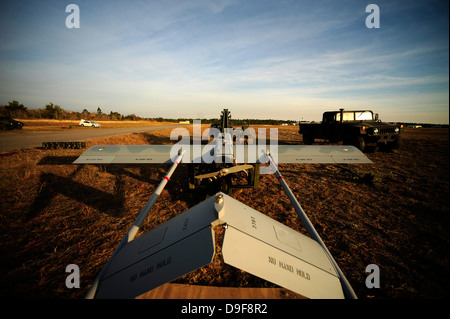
x,y
15,140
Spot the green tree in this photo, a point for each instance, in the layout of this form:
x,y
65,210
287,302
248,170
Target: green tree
x,y
49,111
58,112
115,115
15,109
53,111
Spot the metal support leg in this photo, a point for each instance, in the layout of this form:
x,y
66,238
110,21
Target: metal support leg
x,y
348,290
137,223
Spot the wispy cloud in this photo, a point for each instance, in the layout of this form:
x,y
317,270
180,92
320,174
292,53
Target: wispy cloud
x,y
171,58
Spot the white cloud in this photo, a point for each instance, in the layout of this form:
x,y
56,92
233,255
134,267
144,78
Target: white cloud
x,y
187,57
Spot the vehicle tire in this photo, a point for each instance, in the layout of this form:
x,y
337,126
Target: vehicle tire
x,y
308,139
360,143
357,141
395,145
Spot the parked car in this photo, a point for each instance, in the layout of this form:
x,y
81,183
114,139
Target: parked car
x,y
7,123
88,123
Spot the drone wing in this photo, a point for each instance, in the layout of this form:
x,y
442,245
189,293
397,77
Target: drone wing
x,y
242,154
253,242
336,154
174,248
126,154
270,250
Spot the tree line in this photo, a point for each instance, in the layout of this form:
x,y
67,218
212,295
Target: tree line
x,y
15,109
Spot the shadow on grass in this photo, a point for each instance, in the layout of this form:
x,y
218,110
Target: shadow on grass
x,y
111,203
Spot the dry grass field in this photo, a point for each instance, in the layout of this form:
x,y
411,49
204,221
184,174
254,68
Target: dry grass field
x,y
393,213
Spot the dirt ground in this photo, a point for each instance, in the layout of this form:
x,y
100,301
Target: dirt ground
x,y
393,213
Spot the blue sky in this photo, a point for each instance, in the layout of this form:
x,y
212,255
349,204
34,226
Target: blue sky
x,y
261,59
